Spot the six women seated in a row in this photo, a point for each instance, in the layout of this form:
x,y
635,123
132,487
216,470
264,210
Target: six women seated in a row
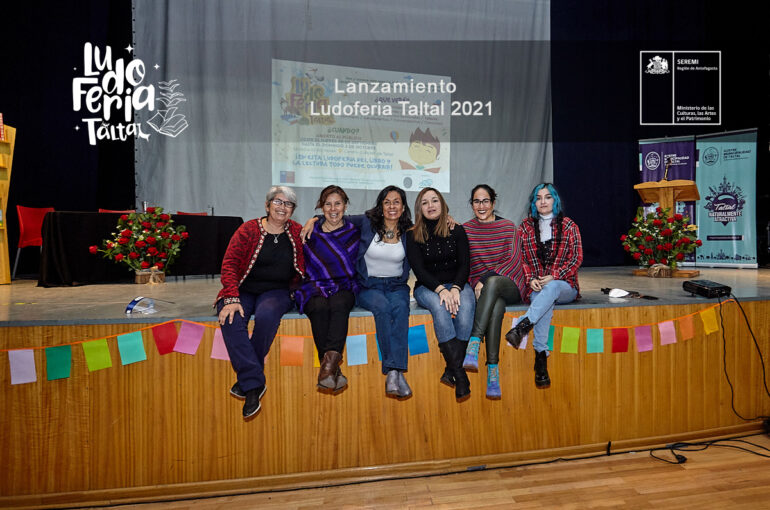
x,y
465,275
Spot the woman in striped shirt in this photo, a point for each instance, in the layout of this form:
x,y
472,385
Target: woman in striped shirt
x,y
497,278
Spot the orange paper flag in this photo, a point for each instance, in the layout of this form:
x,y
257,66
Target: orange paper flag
x,y
292,348
686,328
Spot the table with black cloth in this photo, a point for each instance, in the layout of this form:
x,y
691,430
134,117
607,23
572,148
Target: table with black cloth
x,y
67,235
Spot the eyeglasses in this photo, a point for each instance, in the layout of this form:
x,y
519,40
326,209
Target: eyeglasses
x,y
278,202
478,202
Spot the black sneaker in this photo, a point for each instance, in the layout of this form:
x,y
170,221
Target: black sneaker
x,y
237,392
252,405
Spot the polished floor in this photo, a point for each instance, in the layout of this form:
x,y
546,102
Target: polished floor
x,y
23,303
719,477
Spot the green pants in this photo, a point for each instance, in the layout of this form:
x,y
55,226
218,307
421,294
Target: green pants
x,y
497,293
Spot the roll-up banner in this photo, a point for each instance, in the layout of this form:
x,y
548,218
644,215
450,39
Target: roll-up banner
x,y
726,212
678,154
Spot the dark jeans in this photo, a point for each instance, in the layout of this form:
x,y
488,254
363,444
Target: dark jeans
x,y
247,353
329,320
496,294
388,300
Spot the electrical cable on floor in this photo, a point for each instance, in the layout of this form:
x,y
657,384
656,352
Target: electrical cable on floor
x,y
724,359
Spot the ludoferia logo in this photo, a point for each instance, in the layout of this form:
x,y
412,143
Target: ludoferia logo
x,y
725,202
113,90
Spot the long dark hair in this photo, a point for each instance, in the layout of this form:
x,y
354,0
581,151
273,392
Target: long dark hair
x,y
556,231
377,217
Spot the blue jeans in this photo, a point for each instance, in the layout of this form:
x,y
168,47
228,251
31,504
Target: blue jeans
x,y
247,353
388,300
444,325
539,313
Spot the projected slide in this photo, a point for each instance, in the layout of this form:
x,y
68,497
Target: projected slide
x,y
359,128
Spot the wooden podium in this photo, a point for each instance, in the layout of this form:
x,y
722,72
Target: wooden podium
x,y
667,194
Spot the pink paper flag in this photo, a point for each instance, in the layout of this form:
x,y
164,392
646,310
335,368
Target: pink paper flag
x,y
643,335
189,338
667,333
218,350
22,366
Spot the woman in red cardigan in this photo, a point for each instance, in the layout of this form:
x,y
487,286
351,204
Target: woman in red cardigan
x,y
553,253
262,266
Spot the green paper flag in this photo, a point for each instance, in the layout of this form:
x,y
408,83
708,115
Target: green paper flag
x,y
551,332
594,341
709,319
131,348
58,362
569,340
97,354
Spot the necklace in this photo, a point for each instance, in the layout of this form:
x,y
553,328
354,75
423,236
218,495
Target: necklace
x,y
389,234
275,238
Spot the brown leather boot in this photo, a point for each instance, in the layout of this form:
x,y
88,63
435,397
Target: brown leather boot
x,y
330,365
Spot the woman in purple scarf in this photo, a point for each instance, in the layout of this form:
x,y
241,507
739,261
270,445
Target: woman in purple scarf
x,y
328,292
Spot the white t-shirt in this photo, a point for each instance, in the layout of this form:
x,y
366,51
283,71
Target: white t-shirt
x,y
384,260
545,227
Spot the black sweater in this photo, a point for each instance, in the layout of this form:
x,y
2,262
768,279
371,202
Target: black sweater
x,y
439,259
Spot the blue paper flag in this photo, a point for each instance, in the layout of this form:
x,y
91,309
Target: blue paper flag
x,y
418,340
356,347
131,348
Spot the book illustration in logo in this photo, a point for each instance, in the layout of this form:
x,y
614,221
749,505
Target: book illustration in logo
x,y
725,202
657,65
168,122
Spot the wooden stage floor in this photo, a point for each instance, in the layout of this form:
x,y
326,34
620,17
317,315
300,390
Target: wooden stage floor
x,y
23,303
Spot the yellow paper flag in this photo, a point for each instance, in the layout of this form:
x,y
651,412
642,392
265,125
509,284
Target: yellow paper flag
x,y
709,318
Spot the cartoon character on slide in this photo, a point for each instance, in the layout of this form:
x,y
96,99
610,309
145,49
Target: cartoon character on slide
x,y
424,149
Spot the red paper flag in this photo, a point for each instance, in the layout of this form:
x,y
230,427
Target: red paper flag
x,y
619,340
165,337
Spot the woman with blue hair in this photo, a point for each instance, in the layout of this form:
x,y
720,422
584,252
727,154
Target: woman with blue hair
x,y
552,253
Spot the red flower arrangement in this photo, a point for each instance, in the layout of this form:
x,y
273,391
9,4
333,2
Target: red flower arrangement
x,y
660,239
144,241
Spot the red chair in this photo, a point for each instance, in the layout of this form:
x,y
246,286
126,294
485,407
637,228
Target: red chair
x,y
127,211
192,213
30,229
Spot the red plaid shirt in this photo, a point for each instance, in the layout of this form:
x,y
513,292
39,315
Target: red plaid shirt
x,y
569,254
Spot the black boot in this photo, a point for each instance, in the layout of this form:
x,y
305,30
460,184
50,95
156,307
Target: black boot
x,y
542,380
518,332
447,378
456,349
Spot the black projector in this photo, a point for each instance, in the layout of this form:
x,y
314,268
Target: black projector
x,y
706,288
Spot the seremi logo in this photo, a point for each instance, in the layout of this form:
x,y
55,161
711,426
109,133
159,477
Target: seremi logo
x,y
657,65
710,156
115,90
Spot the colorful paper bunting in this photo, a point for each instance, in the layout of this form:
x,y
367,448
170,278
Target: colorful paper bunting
x,y
165,337
316,361
686,328
709,319
356,350
22,363
619,340
569,340
594,341
667,333
189,338
418,340
643,335
97,354
58,362
218,348
292,349
131,348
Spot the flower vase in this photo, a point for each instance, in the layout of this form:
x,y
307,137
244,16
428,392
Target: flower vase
x,y
149,276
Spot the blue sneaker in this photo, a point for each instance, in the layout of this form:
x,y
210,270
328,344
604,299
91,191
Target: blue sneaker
x,y
471,361
493,382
